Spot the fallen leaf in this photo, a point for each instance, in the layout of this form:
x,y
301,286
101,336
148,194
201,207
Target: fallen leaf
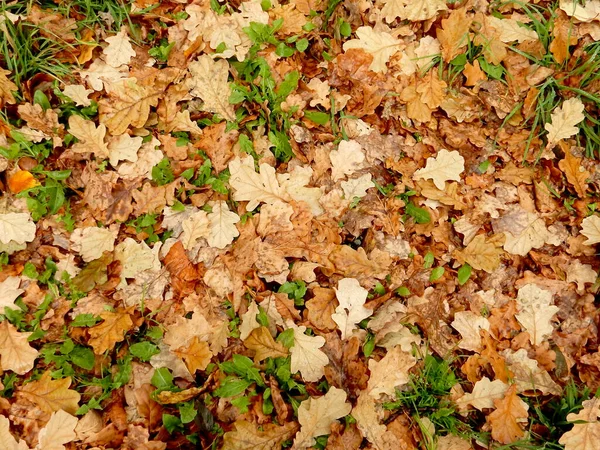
x,y
16,227
306,356
484,393
351,310
21,180
247,436
59,430
51,395
381,45
119,50
535,312
264,346
468,324
446,166
91,138
575,172
196,355
586,435
390,372
209,82
506,419
7,441
9,292
105,335
481,254
590,228
15,352
92,242
564,120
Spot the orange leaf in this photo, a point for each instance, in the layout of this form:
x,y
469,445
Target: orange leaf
x,y
51,395
21,180
105,335
505,419
196,355
574,171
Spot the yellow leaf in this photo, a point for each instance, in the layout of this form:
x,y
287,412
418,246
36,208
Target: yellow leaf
x,y
247,436
196,355
21,180
505,419
105,335
15,352
261,341
51,395
576,174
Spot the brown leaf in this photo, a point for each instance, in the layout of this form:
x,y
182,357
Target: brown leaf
x,y
575,172
356,264
261,341
196,355
247,436
183,273
473,73
565,35
51,395
7,88
147,407
321,307
481,254
170,398
218,144
105,335
505,419
454,33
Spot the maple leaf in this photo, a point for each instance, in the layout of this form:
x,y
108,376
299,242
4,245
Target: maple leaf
x,y
51,395
585,434
119,50
91,139
92,242
535,312
590,228
506,418
17,228
196,355
306,356
446,166
59,430
380,44
209,82
255,188
483,395
481,254
222,228
127,104
105,335
9,292
351,310
524,230
317,414
261,341
15,352
390,372
468,324
564,120
247,436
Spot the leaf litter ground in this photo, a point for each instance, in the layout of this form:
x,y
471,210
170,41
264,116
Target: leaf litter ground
x,y
306,224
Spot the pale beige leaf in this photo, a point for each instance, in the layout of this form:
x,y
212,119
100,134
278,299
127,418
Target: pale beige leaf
x,y
79,94
317,415
124,147
357,187
483,395
445,166
59,430
195,227
7,441
51,395
249,321
91,138
9,292
351,310
511,31
252,187
347,159
209,82
523,230
380,44
119,50
469,324
17,228
481,254
15,352
588,11
590,228
91,242
581,274
535,312
564,120
306,356
528,375
222,230
390,372
585,435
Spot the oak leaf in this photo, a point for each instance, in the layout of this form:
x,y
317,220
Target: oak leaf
x,y
390,372
468,324
92,242
124,147
249,322
590,228
584,12
209,82
9,292
454,33
585,434
105,335
473,73
432,91
564,120
524,230
196,355
222,229
59,430
78,93
535,312
17,228
483,395
481,254
119,50
317,415
7,88
380,44
445,166
321,307
351,310
51,395
576,173
248,436
264,346
346,159
91,139
7,441
252,187
306,357
506,418
528,375
15,352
